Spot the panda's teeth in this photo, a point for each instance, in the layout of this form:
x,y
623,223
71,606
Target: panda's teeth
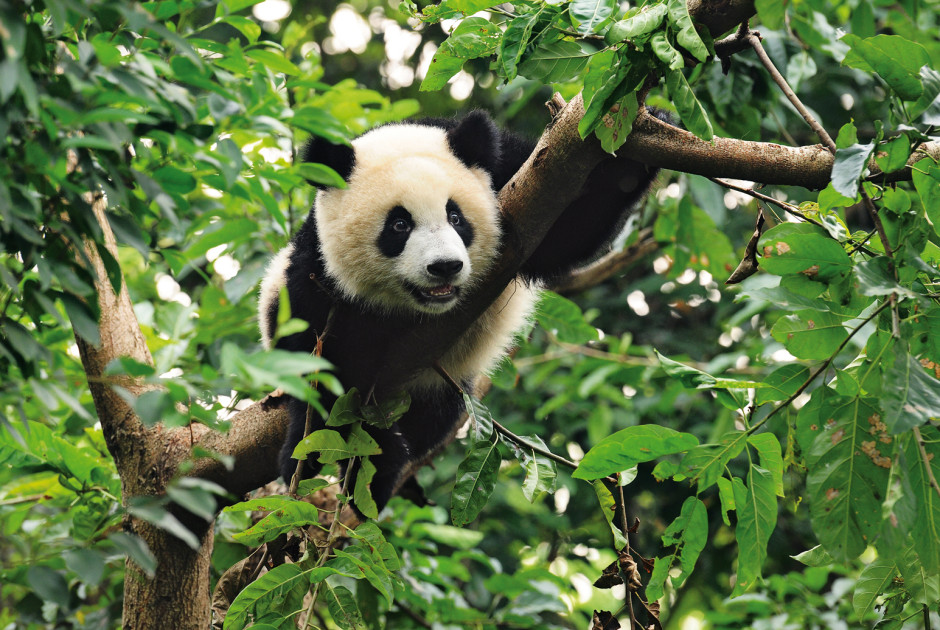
x,y
441,291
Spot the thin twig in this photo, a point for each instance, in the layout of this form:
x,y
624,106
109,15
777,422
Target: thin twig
x,y
626,549
330,540
786,207
541,451
754,40
926,458
308,424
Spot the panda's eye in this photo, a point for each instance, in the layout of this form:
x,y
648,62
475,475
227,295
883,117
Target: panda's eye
x,y
454,218
401,226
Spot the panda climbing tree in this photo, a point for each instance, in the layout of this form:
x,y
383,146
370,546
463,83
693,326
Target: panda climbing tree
x,y
175,126
407,236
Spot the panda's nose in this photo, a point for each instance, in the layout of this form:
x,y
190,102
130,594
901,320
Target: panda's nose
x,y
445,269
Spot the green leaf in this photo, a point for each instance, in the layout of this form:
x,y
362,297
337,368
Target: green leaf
x,y
320,174
782,383
927,183
875,278
88,564
49,585
588,16
564,319
558,61
892,154
224,233
725,498
922,584
346,409
757,517
443,67
628,447
697,379
280,589
911,395
456,537
771,458
690,110
845,484
157,515
689,532
815,557
705,464
688,38
896,60
481,422
666,53
810,334
331,447
342,606
617,125
646,21
540,471
514,41
273,60
849,166
608,508
872,582
802,248
926,524
361,494
388,411
771,13
476,480
284,518
474,37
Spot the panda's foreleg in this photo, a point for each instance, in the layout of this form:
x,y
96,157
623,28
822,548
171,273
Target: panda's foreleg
x,y
420,433
587,226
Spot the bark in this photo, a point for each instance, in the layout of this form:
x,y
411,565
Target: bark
x,y
177,596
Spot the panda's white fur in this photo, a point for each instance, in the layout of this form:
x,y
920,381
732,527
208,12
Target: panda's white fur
x,y
275,278
416,227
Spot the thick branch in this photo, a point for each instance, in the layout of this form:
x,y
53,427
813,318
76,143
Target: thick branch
x,y
120,337
663,145
254,440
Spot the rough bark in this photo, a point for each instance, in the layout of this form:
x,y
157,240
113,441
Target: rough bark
x,y
177,596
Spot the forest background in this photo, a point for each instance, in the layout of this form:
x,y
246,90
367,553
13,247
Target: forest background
x,y
773,441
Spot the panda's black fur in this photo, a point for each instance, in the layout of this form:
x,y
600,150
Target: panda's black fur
x,y
475,158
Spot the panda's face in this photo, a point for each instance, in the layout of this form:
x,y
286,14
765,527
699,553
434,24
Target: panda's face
x,y
414,229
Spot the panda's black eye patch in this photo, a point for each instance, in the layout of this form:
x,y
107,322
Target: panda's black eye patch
x,y
459,222
395,233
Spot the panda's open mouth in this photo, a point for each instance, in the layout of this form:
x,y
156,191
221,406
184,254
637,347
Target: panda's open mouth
x,y
441,294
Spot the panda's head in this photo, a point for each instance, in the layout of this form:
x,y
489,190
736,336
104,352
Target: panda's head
x,y
417,224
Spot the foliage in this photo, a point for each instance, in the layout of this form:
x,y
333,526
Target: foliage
x,y
777,441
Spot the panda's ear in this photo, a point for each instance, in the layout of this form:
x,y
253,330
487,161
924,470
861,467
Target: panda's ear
x,y
475,141
339,157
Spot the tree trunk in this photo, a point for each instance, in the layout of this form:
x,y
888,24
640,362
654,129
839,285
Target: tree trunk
x,y
177,596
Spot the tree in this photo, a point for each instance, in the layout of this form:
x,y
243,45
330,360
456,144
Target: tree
x,y
145,141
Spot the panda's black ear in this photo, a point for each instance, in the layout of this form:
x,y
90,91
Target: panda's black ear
x,y
475,141
339,157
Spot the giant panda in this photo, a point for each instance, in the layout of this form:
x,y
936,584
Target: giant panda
x,y
415,228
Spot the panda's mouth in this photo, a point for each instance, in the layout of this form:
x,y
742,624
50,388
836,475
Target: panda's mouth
x,y
441,294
